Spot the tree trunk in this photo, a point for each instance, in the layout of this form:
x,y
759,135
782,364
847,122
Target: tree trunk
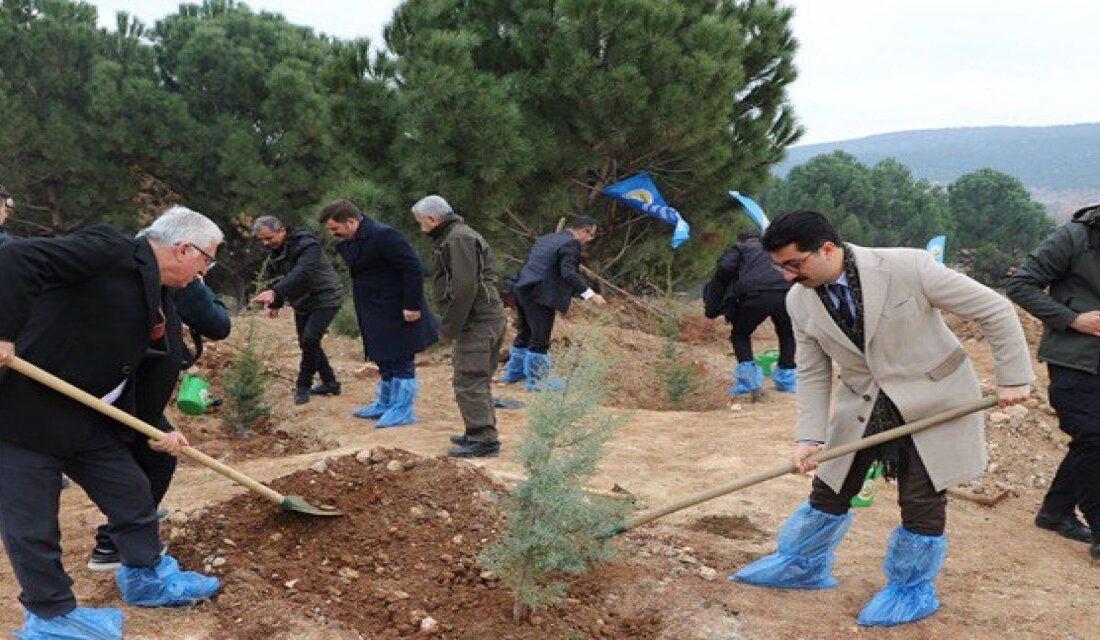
x,y
521,584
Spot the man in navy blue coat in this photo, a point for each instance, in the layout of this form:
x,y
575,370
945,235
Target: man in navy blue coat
x,y
546,286
394,320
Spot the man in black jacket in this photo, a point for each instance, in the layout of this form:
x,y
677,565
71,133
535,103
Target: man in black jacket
x,y
87,308
1060,285
546,285
304,279
751,291
198,307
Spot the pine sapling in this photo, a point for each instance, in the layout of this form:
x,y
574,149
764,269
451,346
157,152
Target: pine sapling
x,y
246,409
554,525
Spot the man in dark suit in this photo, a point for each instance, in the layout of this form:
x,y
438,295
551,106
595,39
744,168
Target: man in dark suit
x,y
302,277
394,320
545,286
88,307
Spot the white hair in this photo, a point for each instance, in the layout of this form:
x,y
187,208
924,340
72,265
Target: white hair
x,y
432,206
180,224
271,223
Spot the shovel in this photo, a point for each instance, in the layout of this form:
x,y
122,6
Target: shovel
x,y
820,456
287,503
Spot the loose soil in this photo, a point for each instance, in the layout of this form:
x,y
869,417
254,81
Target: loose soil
x,y
1003,577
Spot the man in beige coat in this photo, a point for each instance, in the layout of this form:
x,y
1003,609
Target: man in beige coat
x,y
875,313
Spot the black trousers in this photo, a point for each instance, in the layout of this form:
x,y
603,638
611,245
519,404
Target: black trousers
x,y
311,327
30,495
1073,394
535,324
751,311
159,467
923,509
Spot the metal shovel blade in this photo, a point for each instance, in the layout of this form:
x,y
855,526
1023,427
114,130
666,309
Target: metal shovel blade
x,y
301,505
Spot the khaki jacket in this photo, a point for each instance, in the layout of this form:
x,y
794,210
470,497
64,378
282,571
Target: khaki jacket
x,y
910,354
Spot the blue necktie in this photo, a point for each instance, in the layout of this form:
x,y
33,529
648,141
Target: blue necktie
x,y
842,306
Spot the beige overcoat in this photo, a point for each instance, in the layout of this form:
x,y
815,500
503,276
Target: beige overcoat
x,y
911,354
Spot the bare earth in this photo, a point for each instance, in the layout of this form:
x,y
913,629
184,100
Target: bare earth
x,y
1003,577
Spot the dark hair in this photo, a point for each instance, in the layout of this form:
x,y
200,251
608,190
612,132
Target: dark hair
x,y
748,234
340,211
808,230
582,222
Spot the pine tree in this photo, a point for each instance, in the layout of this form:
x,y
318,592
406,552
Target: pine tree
x,y
246,409
554,526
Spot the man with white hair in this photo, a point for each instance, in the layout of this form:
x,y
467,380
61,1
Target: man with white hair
x,y
472,315
87,307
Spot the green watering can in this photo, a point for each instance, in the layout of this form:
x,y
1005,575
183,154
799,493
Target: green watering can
x,y
767,360
194,396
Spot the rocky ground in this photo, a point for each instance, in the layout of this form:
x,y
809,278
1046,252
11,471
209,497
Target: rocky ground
x,y
401,562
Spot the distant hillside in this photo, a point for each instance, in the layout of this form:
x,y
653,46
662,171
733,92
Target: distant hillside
x,y
1060,165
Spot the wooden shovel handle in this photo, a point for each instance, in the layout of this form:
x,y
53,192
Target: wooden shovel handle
x,y
111,411
820,456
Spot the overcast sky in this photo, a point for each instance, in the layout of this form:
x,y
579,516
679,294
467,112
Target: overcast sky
x,y
866,66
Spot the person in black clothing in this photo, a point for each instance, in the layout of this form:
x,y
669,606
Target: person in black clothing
x,y
746,289
198,307
305,279
88,308
545,286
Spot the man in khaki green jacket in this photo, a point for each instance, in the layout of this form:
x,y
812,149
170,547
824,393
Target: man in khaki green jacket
x,y
471,314
1060,285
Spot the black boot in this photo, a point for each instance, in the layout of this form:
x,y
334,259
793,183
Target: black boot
x,y
326,389
1067,526
460,440
475,450
301,395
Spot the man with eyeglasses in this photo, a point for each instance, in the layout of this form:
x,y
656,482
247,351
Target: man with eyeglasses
x,y
299,274
875,314
544,288
7,206
89,307
748,288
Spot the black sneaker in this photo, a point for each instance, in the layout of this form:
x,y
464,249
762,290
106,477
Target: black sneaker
x,y
1065,526
475,450
301,396
104,559
326,389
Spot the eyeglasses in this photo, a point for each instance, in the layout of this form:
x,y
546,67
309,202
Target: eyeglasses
x,y
210,261
795,265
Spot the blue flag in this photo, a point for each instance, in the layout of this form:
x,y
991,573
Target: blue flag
x,y
752,210
937,247
639,193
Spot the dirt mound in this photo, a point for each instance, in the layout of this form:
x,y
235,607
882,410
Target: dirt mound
x,y
732,527
400,563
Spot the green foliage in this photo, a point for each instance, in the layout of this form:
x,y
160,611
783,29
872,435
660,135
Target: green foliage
x,y
988,217
246,409
553,525
346,323
677,374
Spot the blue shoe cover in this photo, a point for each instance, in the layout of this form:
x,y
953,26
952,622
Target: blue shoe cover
x,y
383,398
912,562
163,585
805,556
400,412
748,377
82,623
537,368
785,380
513,371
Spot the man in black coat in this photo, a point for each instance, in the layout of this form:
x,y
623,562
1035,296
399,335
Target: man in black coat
x,y
87,308
303,278
394,320
198,307
545,286
751,290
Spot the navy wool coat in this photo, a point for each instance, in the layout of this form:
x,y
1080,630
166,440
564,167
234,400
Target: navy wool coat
x,y
387,278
